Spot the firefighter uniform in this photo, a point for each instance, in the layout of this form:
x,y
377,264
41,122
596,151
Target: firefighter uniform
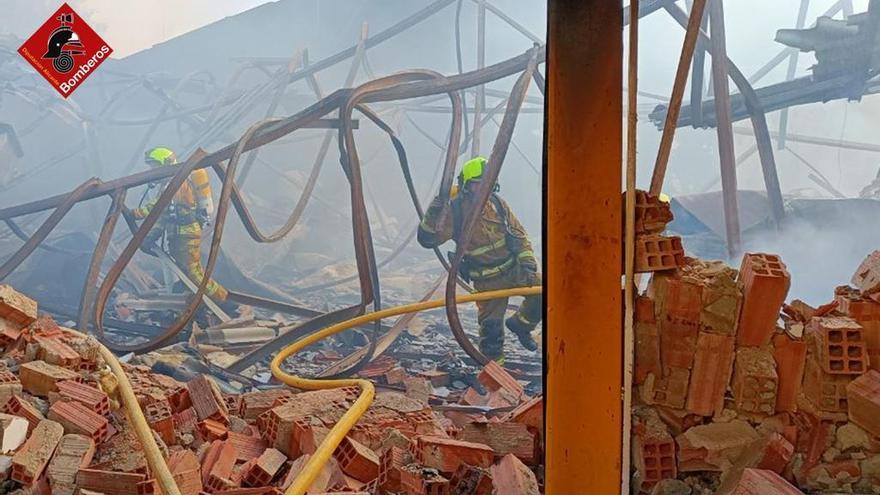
x,y
498,256
182,222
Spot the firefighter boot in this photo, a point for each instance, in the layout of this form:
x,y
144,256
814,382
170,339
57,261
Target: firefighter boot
x,y
523,331
492,340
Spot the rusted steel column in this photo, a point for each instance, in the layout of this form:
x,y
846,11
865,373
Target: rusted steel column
x,y
583,236
725,126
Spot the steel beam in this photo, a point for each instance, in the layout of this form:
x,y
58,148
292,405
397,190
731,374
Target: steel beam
x,y
582,245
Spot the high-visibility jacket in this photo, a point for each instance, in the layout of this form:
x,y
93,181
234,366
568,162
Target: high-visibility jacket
x,y
183,218
498,242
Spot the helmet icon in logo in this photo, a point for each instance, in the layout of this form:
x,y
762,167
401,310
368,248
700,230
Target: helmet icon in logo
x,y
64,44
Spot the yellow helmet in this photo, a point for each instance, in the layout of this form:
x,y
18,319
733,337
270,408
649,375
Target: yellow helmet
x,y
664,197
160,157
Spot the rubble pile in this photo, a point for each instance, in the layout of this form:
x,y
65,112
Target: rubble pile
x,y
62,430
741,393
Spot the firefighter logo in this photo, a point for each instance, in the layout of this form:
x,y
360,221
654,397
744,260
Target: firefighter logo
x,y
65,50
64,44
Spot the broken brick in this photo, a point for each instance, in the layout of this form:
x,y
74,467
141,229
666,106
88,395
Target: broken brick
x,y
110,482
778,452
30,461
53,351
254,404
790,356
651,214
765,282
714,446
73,453
826,392
39,378
219,476
678,343
840,345
866,277
755,381
16,307
247,446
187,472
647,351
657,253
471,480
863,395
445,454
207,400
77,418
503,438
264,469
713,364
160,419
667,390
357,460
419,480
392,460
654,454
20,407
763,482
495,378
510,475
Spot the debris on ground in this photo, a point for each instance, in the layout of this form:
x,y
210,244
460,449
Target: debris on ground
x,y
63,431
729,400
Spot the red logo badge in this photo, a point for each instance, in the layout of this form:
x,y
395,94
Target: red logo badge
x,y
65,50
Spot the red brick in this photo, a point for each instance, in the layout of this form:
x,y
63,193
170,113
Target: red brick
x,y
713,364
91,397
678,343
219,476
392,460
647,351
864,402
16,307
109,482
652,215
656,253
207,400
668,390
30,461
247,446
40,378
531,414
645,310
53,351
21,407
471,480
755,381
763,482
867,276
187,472
790,356
826,392
255,403
417,480
267,465
211,430
74,452
765,283
778,452
840,345
503,438
682,299
10,331
654,456
357,460
510,475
495,378
445,454
160,419
77,418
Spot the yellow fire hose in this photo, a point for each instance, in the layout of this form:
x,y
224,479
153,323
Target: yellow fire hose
x,y
156,461
328,446
142,429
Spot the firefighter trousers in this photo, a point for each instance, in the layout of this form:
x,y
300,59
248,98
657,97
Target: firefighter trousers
x,y
187,253
490,314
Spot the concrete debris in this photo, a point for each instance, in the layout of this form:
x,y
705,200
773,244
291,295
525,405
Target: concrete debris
x,y
62,430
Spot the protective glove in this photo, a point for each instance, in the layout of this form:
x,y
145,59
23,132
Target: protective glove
x,y
529,267
203,217
437,204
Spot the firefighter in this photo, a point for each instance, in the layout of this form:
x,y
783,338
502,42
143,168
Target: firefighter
x,y
498,256
189,212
